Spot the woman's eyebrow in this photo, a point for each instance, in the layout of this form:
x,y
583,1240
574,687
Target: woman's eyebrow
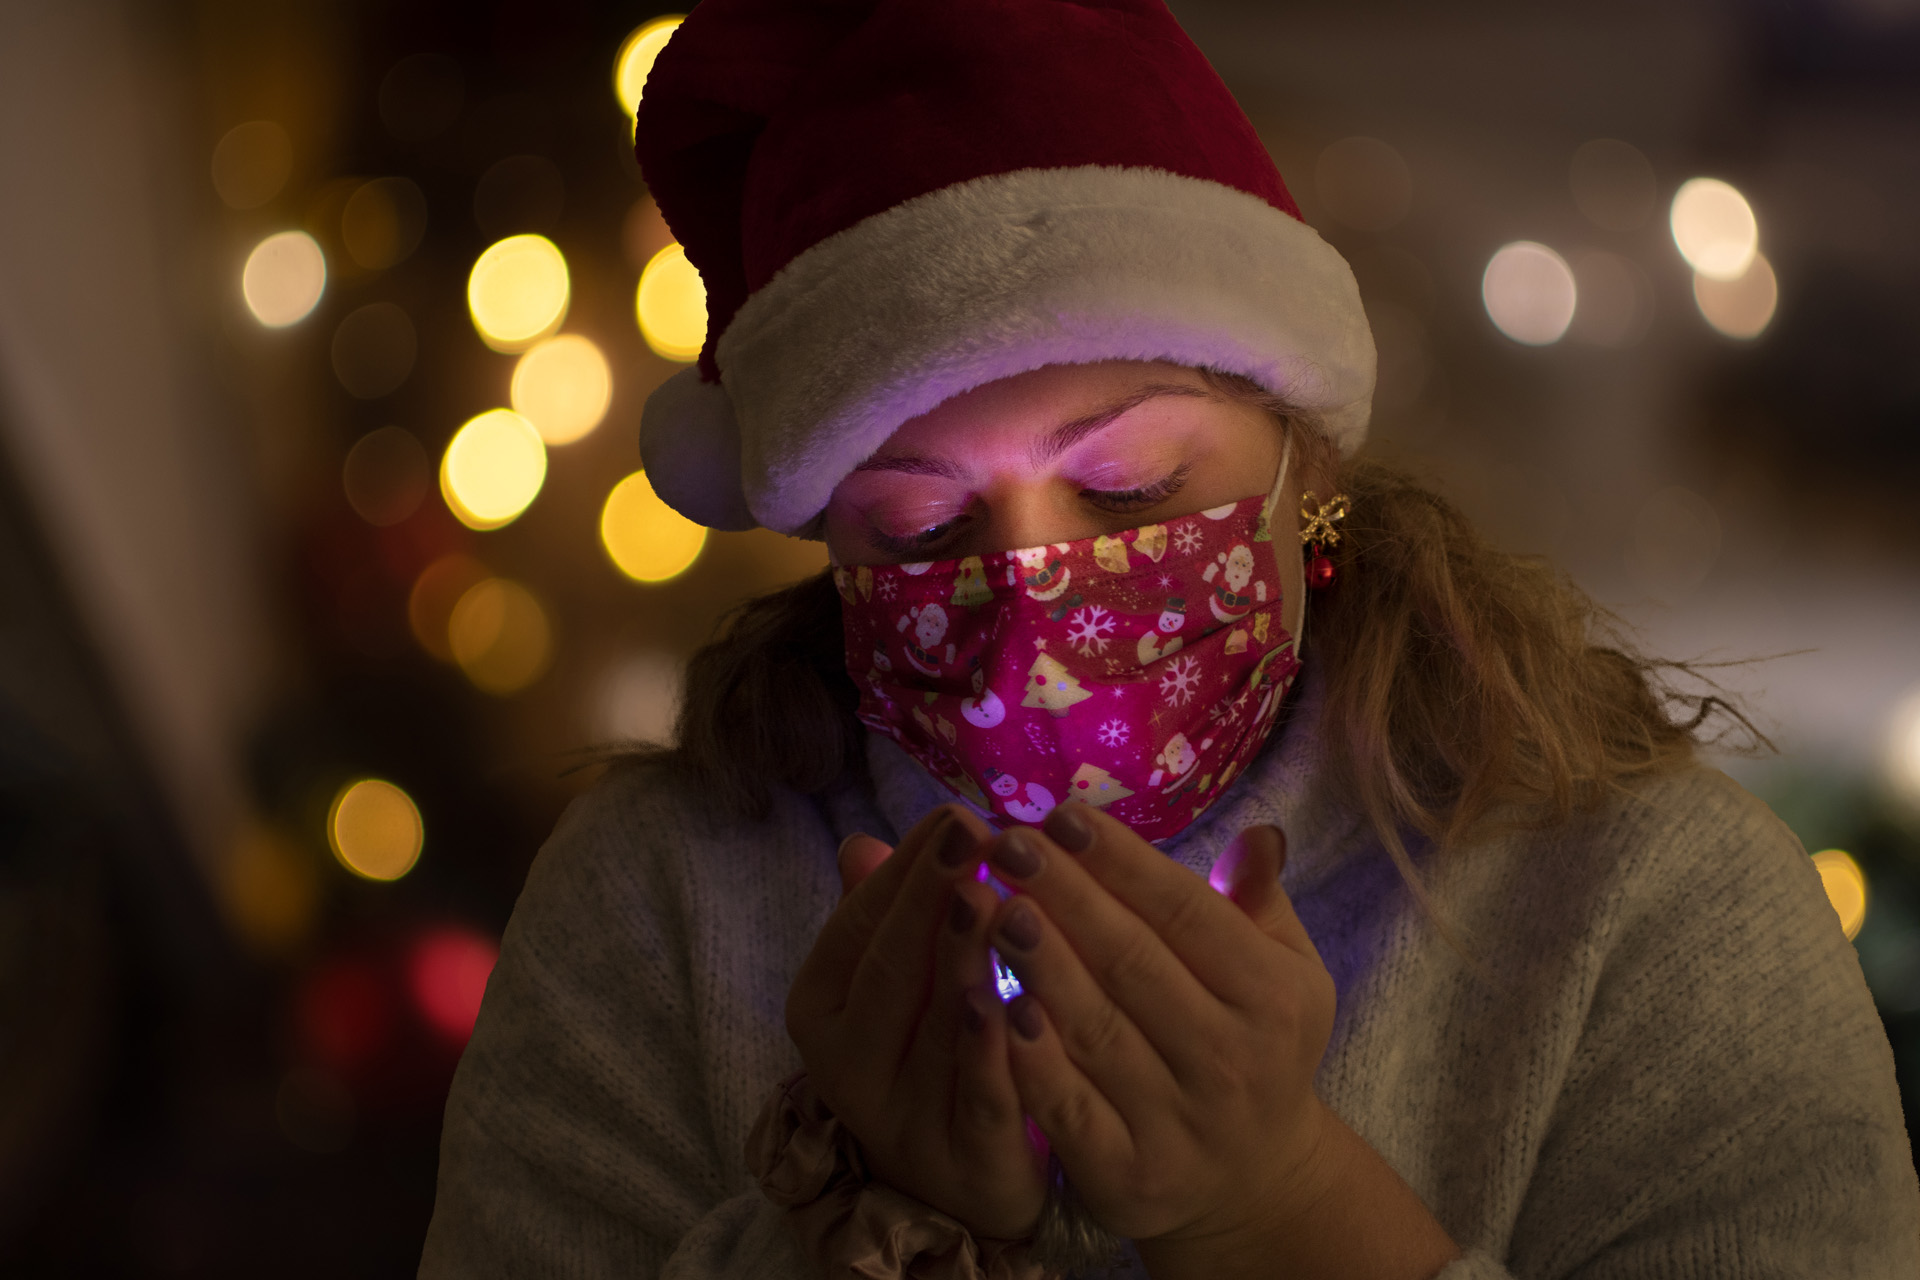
x,y
1055,443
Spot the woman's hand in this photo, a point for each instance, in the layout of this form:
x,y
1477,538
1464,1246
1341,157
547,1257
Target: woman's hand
x,y
1170,1034
896,1018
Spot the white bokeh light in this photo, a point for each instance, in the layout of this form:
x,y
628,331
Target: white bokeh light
x,y
1714,228
1530,293
1902,751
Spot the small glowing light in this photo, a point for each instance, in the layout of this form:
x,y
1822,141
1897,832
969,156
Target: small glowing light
x,y
1743,307
383,221
563,387
648,540
252,163
517,292
1902,754
1005,981
1714,228
671,305
1846,887
635,59
386,475
500,636
492,469
431,602
284,278
1530,293
1364,183
375,829
447,975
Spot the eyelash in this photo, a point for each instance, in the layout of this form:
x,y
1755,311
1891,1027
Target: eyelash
x,y
1140,499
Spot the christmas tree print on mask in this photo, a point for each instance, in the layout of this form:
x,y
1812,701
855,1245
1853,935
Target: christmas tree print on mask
x,y
1080,669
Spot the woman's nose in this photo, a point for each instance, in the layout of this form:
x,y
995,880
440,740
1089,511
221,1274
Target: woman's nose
x,y
1033,515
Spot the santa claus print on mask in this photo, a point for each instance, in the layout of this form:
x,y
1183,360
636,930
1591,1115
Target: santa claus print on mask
x,y
1080,670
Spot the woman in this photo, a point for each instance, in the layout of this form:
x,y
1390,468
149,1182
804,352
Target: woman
x,y
1481,975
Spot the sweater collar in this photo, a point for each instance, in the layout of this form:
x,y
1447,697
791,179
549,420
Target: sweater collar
x,y
1287,785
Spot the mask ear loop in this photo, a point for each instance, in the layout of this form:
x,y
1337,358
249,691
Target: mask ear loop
x,y
1267,512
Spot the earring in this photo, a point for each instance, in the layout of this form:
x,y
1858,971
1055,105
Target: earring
x,y
1319,527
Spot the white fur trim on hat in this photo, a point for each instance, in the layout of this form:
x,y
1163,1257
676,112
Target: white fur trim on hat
x,y
1000,275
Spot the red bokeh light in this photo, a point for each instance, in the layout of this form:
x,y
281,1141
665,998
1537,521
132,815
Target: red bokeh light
x,y
447,973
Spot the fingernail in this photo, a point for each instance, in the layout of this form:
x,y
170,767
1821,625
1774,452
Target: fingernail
x,y
1020,929
956,842
961,915
970,1012
1068,826
1279,839
1024,1014
1017,854
841,852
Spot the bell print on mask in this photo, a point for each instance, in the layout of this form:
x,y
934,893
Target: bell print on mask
x,y
1090,675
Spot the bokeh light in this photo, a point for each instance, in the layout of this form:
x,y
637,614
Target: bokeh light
x,y
383,222
563,387
1615,300
492,469
284,278
252,163
500,636
635,59
1902,749
1530,293
1846,887
447,976
517,292
1364,183
1714,228
374,829
431,601
386,476
648,540
671,305
636,698
270,890
1613,184
373,350
344,1014
1742,307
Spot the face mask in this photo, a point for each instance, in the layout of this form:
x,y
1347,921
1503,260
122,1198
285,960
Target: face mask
x,y
1138,672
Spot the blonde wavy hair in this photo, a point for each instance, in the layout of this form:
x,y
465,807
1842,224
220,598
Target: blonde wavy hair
x,y
1467,688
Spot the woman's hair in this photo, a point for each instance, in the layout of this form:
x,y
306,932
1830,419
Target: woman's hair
x,y
1464,684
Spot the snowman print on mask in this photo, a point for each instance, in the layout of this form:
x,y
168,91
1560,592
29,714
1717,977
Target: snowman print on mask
x,y
1172,618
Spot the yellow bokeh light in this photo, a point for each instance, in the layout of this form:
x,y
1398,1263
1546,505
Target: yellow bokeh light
x,y
1743,307
375,829
671,305
1902,749
517,292
500,636
635,59
492,469
1846,887
648,540
252,164
435,592
1714,228
562,387
270,890
284,278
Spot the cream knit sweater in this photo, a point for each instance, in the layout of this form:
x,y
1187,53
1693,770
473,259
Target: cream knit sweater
x,y
1670,1065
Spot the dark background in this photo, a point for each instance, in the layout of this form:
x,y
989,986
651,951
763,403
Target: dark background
x,y
215,1054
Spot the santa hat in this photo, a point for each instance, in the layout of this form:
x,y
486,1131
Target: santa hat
x,y
894,201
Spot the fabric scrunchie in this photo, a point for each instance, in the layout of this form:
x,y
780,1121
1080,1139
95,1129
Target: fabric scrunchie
x,y
811,1166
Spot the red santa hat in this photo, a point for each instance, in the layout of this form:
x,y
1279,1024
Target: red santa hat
x,y
893,201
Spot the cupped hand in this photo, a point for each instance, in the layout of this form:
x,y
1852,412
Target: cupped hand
x,y
895,1016
1170,1032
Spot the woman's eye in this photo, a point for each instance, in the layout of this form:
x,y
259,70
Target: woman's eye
x,y
1142,497
911,543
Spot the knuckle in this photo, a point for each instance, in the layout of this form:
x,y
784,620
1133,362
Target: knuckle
x,y
1096,1035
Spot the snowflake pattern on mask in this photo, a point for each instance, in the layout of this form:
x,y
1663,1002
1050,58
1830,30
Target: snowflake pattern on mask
x,y
1138,672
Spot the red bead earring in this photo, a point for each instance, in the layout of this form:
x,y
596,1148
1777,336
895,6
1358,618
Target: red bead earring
x,y
1318,526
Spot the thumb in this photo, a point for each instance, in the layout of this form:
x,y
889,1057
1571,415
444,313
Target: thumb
x,y
860,855
1248,873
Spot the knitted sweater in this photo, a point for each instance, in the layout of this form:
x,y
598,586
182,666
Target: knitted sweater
x,y
1667,1065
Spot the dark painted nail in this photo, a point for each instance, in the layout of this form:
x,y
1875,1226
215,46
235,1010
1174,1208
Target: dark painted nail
x,y
1020,928
1017,854
956,843
961,915
1024,1014
1068,826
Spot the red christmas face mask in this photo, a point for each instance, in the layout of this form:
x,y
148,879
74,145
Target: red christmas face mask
x,y
1138,672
